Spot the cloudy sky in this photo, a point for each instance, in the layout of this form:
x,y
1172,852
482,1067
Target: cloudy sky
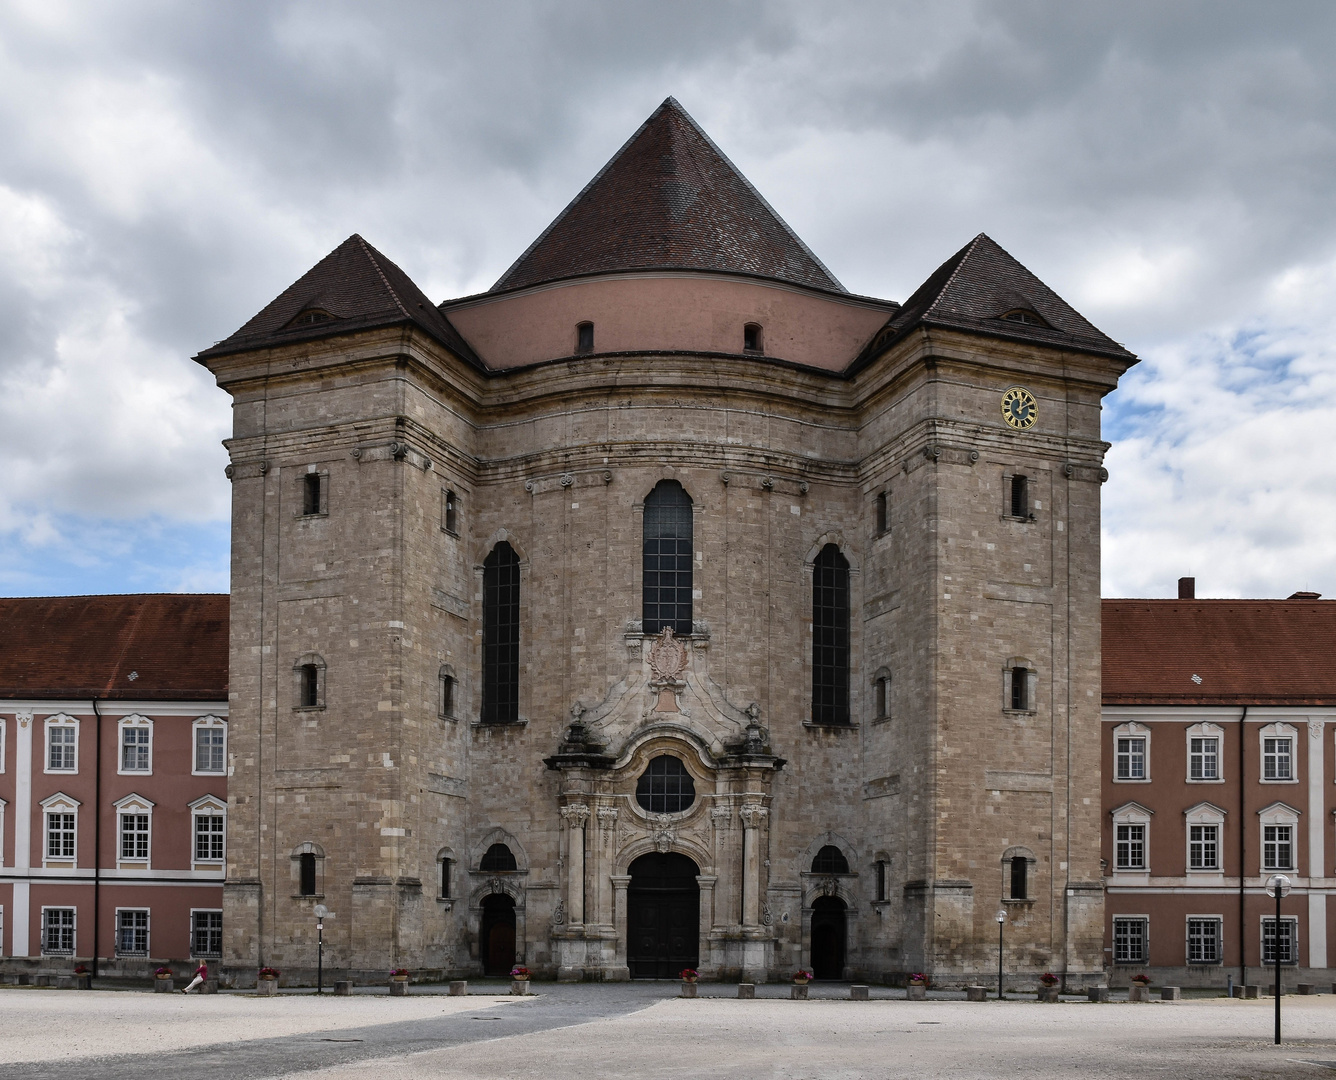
x,y
167,168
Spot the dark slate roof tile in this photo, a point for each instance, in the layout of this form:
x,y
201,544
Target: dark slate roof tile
x,y
668,199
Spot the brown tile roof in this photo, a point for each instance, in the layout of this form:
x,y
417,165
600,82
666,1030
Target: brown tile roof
x,y
361,289
668,199
979,284
1261,652
88,646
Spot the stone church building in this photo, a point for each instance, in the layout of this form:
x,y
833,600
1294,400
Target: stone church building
x,y
666,605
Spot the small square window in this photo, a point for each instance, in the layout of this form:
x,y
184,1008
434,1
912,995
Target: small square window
x,y
1130,761
751,337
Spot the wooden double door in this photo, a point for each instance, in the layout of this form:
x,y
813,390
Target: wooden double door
x,y
663,916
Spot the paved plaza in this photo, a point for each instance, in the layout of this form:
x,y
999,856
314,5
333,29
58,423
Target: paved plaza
x,y
584,1032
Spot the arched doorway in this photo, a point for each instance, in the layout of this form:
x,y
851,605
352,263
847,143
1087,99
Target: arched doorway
x,y
498,935
828,933
662,916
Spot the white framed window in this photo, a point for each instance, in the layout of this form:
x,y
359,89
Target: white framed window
x,y
136,746
2,745
58,926
1279,826
210,747
206,934
1204,939
134,832
1288,943
62,744
60,828
1131,936
1131,838
1205,828
1131,753
208,833
1278,746
132,932
1204,745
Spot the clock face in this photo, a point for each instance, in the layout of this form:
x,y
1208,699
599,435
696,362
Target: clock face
x,y
1019,408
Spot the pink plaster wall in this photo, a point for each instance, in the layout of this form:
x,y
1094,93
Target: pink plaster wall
x,y
663,311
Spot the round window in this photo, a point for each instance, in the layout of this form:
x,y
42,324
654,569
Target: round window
x,y
665,787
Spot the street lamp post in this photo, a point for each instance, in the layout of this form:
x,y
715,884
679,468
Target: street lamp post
x,y
1001,918
1278,886
320,912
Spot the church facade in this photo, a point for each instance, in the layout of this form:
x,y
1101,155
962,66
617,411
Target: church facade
x,y
666,606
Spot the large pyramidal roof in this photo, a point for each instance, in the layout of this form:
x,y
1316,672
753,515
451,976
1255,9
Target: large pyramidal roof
x,y
668,199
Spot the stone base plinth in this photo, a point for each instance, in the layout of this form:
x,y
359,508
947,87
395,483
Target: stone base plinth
x,y
1171,993
688,989
519,987
163,986
976,993
343,988
1048,993
746,990
916,991
1098,993
858,992
459,987
398,988
798,991
266,988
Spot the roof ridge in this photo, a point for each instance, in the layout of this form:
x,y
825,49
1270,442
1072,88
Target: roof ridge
x,y
961,261
370,253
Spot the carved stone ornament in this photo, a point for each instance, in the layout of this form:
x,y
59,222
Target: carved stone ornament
x,y
1315,729
575,815
24,718
559,915
494,885
829,886
607,818
663,842
667,657
753,816
767,919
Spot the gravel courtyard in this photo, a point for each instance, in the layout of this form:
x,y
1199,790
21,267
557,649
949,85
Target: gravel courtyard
x,y
585,1032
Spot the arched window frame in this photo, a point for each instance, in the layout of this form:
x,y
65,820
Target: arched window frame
x,y
881,878
1132,730
881,696
299,685
1013,669
832,638
1278,814
495,869
663,509
502,635
59,803
843,861
317,853
138,724
65,722
753,338
1008,862
446,882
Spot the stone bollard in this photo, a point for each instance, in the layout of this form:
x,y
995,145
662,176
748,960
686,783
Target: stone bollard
x,y
399,988
687,990
209,986
1171,993
916,991
1138,992
1098,993
83,982
746,991
266,988
459,987
1236,990
64,982
1048,993
1251,991
858,992
343,988
163,986
41,980
1305,989
798,992
519,987
976,993
24,979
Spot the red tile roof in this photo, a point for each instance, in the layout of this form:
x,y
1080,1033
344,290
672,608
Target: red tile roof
x,y
174,644
1262,652
668,199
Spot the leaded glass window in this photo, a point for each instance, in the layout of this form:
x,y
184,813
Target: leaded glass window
x,y
667,559
665,787
830,637
501,636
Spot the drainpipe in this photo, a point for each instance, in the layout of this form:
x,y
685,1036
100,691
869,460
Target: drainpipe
x,y
1243,852
97,834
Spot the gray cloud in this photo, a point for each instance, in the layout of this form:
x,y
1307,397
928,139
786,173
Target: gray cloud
x,y
170,167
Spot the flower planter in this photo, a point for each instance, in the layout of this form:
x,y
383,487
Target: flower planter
x,y
687,990
519,987
398,986
459,988
917,991
798,991
976,993
83,982
266,987
1138,992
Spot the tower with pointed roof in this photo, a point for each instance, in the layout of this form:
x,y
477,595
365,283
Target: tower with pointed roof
x,y
666,605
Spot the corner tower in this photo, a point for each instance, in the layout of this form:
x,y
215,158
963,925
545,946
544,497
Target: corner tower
x,y
666,605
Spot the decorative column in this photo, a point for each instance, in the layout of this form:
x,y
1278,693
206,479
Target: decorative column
x,y
620,883
753,818
575,815
607,834
1317,825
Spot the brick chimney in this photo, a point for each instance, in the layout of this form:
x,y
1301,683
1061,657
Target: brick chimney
x,y
1187,588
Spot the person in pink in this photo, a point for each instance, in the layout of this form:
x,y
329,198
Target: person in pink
x,y
201,973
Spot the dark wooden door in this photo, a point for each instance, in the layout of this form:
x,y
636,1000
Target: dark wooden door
x,y
498,935
828,938
663,916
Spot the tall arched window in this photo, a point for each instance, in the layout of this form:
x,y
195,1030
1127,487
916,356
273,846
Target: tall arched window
x,y
501,636
830,637
667,555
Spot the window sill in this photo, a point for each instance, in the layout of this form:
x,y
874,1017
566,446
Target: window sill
x,y
446,902
1216,781
880,720
1290,781
502,724
1019,712
308,896
308,708
448,719
850,726
1018,902
450,532
309,517
134,772
1143,780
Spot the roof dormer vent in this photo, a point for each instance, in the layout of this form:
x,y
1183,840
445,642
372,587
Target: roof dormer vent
x,y
311,317
1026,316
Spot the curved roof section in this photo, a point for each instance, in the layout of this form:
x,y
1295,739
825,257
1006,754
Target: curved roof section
x,y
668,199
